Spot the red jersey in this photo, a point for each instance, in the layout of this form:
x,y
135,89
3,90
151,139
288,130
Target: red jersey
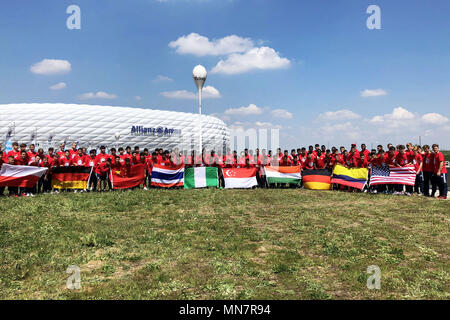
x,y
389,159
428,162
90,162
378,161
366,153
309,163
211,160
73,153
229,161
285,162
78,160
320,161
113,158
352,159
165,162
21,162
51,159
103,168
438,158
64,162
135,160
417,161
31,155
401,159
15,154
331,162
362,163
101,157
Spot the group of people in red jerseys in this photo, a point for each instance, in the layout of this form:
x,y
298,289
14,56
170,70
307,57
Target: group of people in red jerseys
x,y
428,162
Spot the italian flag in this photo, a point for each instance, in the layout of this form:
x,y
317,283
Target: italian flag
x,y
240,178
289,175
201,177
20,176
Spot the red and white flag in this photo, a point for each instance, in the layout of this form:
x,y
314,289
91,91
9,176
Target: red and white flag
x,y
20,176
239,178
393,175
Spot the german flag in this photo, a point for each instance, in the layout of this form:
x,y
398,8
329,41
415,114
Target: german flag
x,y
70,177
319,179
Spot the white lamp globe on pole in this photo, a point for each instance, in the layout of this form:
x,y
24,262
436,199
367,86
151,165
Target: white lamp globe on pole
x,y
199,74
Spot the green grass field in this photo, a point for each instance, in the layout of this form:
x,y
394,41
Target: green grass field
x,y
224,244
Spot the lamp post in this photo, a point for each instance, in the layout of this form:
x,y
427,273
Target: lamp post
x,y
199,75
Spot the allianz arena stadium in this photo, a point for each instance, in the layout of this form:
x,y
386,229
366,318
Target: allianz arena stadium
x,y
91,126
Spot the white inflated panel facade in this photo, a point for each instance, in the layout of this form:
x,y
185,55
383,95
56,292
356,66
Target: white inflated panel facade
x,y
92,126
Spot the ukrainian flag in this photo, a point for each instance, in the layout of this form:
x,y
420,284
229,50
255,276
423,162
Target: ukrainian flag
x,y
354,177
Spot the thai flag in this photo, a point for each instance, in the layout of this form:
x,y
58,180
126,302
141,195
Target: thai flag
x,y
20,176
167,177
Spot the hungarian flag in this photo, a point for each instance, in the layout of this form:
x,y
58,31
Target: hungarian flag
x,y
239,178
167,176
289,175
20,176
70,177
201,177
128,176
317,179
353,177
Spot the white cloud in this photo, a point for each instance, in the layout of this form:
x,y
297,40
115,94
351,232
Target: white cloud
x,y
263,58
252,109
397,117
138,98
434,118
58,86
201,46
162,78
209,92
343,114
281,113
241,54
179,94
50,67
373,93
97,95
346,130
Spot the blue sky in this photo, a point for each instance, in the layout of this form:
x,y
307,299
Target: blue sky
x,y
311,69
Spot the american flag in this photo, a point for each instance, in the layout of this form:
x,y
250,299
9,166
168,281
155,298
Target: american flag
x,y
393,175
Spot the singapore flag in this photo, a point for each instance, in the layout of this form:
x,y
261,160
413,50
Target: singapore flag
x,y
240,178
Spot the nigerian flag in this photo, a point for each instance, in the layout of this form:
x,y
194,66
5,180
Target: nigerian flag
x,y
201,177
